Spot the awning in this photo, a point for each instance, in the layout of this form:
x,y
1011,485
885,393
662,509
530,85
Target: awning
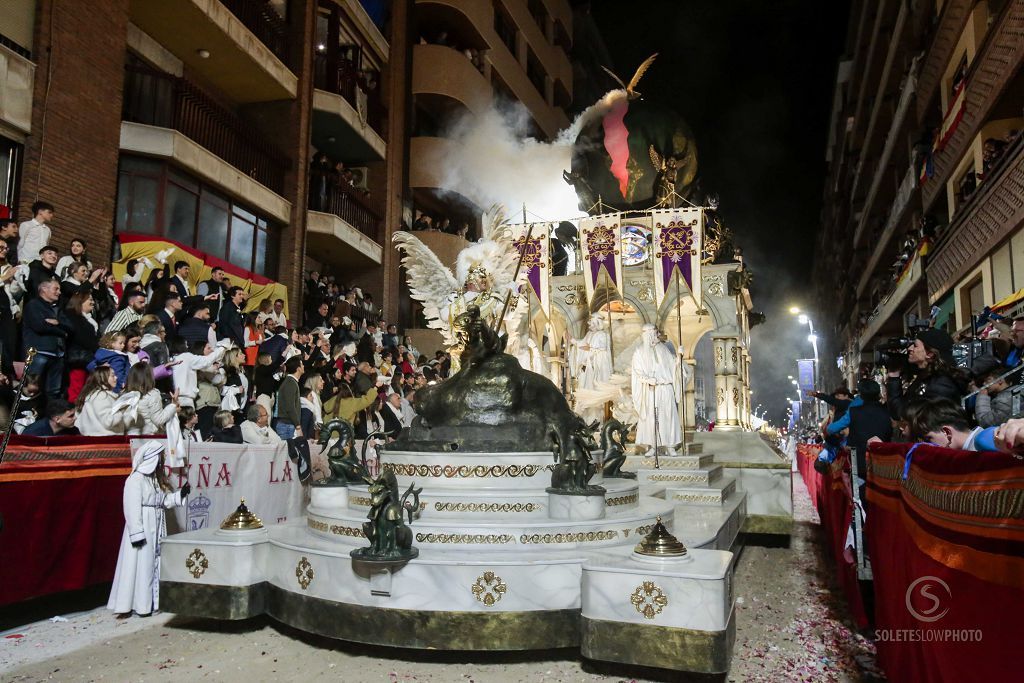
x,y
1008,301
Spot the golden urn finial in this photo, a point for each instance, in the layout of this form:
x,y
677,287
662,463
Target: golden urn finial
x,y
242,519
660,543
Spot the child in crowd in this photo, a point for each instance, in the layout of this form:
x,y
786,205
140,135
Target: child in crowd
x,y
941,422
112,354
147,493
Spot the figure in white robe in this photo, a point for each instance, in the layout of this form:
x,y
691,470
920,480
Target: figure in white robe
x,y
137,577
593,362
657,390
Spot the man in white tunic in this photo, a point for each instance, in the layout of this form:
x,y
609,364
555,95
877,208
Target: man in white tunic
x,y
137,577
657,390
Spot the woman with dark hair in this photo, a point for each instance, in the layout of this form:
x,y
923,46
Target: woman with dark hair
x,y
929,373
151,415
82,341
104,297
95,405
77,255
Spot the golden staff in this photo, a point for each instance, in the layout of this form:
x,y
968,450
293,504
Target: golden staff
x,y
17,401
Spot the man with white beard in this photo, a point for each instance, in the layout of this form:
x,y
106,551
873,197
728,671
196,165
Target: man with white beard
x,y
657,390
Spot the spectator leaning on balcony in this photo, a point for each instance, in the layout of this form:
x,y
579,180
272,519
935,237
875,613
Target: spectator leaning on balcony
x,y
940,422
929,370
34,234
59,420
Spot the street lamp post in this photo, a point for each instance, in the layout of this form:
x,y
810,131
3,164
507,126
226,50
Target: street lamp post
x,y
805,319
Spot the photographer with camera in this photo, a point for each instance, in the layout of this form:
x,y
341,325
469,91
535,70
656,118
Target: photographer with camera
x,y
928,367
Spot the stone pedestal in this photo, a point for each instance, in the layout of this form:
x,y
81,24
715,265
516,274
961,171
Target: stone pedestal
x,y
329,497
575,508
671,613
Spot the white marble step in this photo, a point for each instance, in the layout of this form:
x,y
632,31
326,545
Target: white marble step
x,y
487,504
665,477
669,462
714,528
503,532
714,494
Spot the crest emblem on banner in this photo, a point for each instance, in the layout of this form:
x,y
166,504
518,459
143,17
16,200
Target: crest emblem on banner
x,y
199,512
536,261
677,250
601,251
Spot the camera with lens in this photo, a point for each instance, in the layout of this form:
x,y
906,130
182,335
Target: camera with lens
x,y
892,354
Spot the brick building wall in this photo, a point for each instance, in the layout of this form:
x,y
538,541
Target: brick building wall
x,y
71,157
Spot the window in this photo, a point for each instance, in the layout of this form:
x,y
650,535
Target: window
x,y
157,199
10,174
505,30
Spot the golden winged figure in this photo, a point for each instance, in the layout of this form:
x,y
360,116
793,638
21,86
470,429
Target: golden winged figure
x,y
630,89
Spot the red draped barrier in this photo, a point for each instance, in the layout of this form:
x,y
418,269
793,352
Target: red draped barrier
x,y
947,547
833,499
60,499
806,454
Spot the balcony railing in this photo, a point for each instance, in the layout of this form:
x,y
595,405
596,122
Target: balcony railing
x,y
341,77
349,204
264,22
158,99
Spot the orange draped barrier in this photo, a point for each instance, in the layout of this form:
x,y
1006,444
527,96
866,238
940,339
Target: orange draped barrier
x,y
833,499
60,501
947,548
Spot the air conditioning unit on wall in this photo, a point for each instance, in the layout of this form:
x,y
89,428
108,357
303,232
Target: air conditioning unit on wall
x,y
360,177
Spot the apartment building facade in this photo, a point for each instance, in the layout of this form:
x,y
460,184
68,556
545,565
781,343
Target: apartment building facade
x,y
922,217
196,121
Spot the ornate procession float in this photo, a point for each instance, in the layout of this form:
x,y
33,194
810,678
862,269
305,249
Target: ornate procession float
x,y
507,517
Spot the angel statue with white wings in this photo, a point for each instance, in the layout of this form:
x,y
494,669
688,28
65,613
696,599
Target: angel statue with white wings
x,y
484,276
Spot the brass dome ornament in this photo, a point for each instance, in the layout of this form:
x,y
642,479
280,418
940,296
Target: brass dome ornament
x,y
660,543
242,519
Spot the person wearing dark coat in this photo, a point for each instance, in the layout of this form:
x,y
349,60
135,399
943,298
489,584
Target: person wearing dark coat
x,y
367,345
197,326
932,373
82,341
866,418
275,346
40,271
169,315
44,332
230,323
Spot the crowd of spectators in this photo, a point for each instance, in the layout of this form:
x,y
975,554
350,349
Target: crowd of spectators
x,y
929,398
425,222
160,352
328,176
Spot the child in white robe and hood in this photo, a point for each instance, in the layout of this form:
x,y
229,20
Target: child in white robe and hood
x,y
146,495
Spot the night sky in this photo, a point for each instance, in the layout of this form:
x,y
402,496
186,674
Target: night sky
x,y
755,80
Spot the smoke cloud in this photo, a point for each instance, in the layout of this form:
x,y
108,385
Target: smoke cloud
x,y
495,160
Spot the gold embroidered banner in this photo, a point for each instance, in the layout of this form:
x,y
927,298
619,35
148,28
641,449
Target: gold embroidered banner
x,y
677,250
602,252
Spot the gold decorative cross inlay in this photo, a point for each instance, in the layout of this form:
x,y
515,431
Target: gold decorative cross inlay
x,y
196,563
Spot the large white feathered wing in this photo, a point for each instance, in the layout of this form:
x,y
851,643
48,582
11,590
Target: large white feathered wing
x,y
430,281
